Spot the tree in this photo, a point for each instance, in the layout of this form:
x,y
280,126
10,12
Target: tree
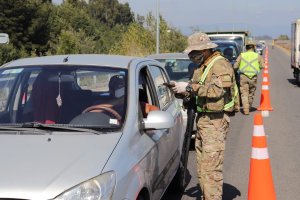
x,y
38,27
283,37
74,42
140,39
9,52
70,21
26,22
171,39
137,41
111,12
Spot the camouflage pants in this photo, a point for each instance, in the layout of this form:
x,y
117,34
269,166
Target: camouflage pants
x,y
237,103
212,129
247,88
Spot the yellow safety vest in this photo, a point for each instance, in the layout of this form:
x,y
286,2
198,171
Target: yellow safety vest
x,y
249,64
202,80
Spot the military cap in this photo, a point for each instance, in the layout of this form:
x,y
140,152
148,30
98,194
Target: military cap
x,y
250,43
199,41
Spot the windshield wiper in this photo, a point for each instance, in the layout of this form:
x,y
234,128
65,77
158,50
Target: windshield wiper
x,y
12,128
58,127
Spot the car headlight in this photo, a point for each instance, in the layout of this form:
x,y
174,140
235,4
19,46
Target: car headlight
x,y
98,188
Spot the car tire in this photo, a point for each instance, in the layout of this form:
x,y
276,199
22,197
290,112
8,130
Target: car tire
x,y
297,76
179,181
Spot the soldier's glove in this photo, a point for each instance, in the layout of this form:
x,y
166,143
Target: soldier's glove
x,y
180,87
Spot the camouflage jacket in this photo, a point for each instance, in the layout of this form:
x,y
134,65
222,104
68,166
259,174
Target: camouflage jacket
x,y
218,87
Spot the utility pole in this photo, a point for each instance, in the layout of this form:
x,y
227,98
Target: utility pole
x,y
157,28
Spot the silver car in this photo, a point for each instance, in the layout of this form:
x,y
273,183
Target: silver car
x,y
179,68
94,127
259,48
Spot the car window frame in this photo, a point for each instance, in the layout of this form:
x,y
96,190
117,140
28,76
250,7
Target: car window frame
x,y
170,96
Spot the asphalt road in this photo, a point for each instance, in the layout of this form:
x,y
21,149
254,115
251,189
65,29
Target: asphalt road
x,y
282,128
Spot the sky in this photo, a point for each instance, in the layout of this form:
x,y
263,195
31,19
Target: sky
x,y
260,17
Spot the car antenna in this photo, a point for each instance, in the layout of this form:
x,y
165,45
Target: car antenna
x,y
66,59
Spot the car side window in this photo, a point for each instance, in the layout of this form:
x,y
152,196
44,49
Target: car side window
x,y
5,89
146,94
162,91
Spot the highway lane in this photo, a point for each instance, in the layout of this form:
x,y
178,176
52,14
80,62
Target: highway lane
x,y
282,128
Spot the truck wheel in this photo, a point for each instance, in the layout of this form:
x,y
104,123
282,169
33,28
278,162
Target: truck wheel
x,y
297,77
296,74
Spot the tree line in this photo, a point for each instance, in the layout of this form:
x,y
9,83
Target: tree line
x,y
38,28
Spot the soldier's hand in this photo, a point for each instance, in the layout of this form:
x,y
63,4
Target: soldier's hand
x,y
180,87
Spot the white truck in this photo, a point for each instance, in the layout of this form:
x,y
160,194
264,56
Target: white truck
x,y
295,50
239,37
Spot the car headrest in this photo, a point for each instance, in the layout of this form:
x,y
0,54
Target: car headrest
x,y
117,86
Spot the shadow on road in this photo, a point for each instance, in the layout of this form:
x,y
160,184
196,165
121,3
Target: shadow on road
x,y
292,81
230,192
194,192
171,195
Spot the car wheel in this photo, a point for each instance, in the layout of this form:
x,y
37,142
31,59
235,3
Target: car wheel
x,y
179,182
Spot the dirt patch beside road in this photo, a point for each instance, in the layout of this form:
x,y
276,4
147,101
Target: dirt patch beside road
x,y
285,45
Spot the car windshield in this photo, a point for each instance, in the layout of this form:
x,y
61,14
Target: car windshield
x,y
178,69
75,96
237,39
228,49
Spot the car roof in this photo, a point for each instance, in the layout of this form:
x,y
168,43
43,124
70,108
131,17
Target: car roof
x,y
169,56
74,59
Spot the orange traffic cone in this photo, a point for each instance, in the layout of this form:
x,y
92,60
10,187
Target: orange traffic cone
x,y
265,104
266,63
261,185
266,79
266,71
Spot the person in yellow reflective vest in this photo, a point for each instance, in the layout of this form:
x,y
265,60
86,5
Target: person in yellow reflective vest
x,y
249,65
273,43
215,88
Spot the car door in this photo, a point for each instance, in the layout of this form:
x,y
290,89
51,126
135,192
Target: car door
x,y
171,138
161,156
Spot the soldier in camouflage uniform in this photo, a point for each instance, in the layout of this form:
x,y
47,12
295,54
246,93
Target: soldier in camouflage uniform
x,y
249,65
214,85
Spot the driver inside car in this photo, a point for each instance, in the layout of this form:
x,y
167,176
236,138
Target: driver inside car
x,y
115,106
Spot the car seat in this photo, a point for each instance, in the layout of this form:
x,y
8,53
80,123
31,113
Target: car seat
x,y
228,53
44,94
168,68
116,88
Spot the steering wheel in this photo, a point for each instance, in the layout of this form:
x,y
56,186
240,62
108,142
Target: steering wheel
x,y
103,107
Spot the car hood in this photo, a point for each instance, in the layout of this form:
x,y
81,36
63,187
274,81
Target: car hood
x,y
43,166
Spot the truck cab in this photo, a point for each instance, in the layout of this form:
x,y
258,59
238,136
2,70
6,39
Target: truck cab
x,y
239,37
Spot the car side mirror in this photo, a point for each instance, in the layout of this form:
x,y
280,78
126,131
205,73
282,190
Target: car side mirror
x,y
158,119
